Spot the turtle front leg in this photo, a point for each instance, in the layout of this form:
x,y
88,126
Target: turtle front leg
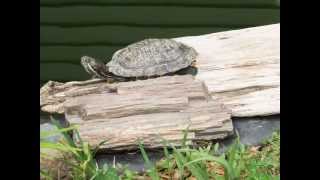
x,y
94,77
110,80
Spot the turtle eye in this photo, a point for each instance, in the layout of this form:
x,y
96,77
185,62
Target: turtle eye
x,y
93,64
86,60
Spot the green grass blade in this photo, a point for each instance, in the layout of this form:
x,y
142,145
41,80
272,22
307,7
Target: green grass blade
x,y
45,175
57,146
65,134
96,149
152,170
185,137
45,134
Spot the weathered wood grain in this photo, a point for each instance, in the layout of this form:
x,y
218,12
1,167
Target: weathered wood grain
x,y
150,110
242,68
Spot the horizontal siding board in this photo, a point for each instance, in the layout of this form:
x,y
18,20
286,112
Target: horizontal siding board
x,y
156,16
62,72
97,28
264,3
113,35
73,54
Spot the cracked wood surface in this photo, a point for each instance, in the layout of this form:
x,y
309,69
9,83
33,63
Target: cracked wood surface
x,y
242,68
149,110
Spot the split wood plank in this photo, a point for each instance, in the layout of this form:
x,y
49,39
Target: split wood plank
x,y
150,110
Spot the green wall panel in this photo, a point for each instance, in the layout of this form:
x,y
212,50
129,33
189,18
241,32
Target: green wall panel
x,y
73,28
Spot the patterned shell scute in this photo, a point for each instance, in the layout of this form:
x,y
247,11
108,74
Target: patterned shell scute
x,y
151,57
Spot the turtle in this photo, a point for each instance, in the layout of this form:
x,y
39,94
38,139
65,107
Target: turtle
x,y
144,59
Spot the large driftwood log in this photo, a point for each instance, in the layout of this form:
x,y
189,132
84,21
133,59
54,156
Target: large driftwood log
x,y
241,68
149,110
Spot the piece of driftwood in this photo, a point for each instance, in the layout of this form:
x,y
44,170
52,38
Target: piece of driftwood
x,y
150,110
241,68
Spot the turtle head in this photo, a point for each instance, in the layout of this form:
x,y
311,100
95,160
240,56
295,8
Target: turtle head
x,y
94,67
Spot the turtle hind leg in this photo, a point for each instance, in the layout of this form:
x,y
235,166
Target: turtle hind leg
x,y
188,70
95,77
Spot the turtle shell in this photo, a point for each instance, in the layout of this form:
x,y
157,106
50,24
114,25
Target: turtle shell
x,y
151,57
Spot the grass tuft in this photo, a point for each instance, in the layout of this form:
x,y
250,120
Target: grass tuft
x,y
185,162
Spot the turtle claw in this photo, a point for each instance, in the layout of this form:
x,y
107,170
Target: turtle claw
x,y
194,64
